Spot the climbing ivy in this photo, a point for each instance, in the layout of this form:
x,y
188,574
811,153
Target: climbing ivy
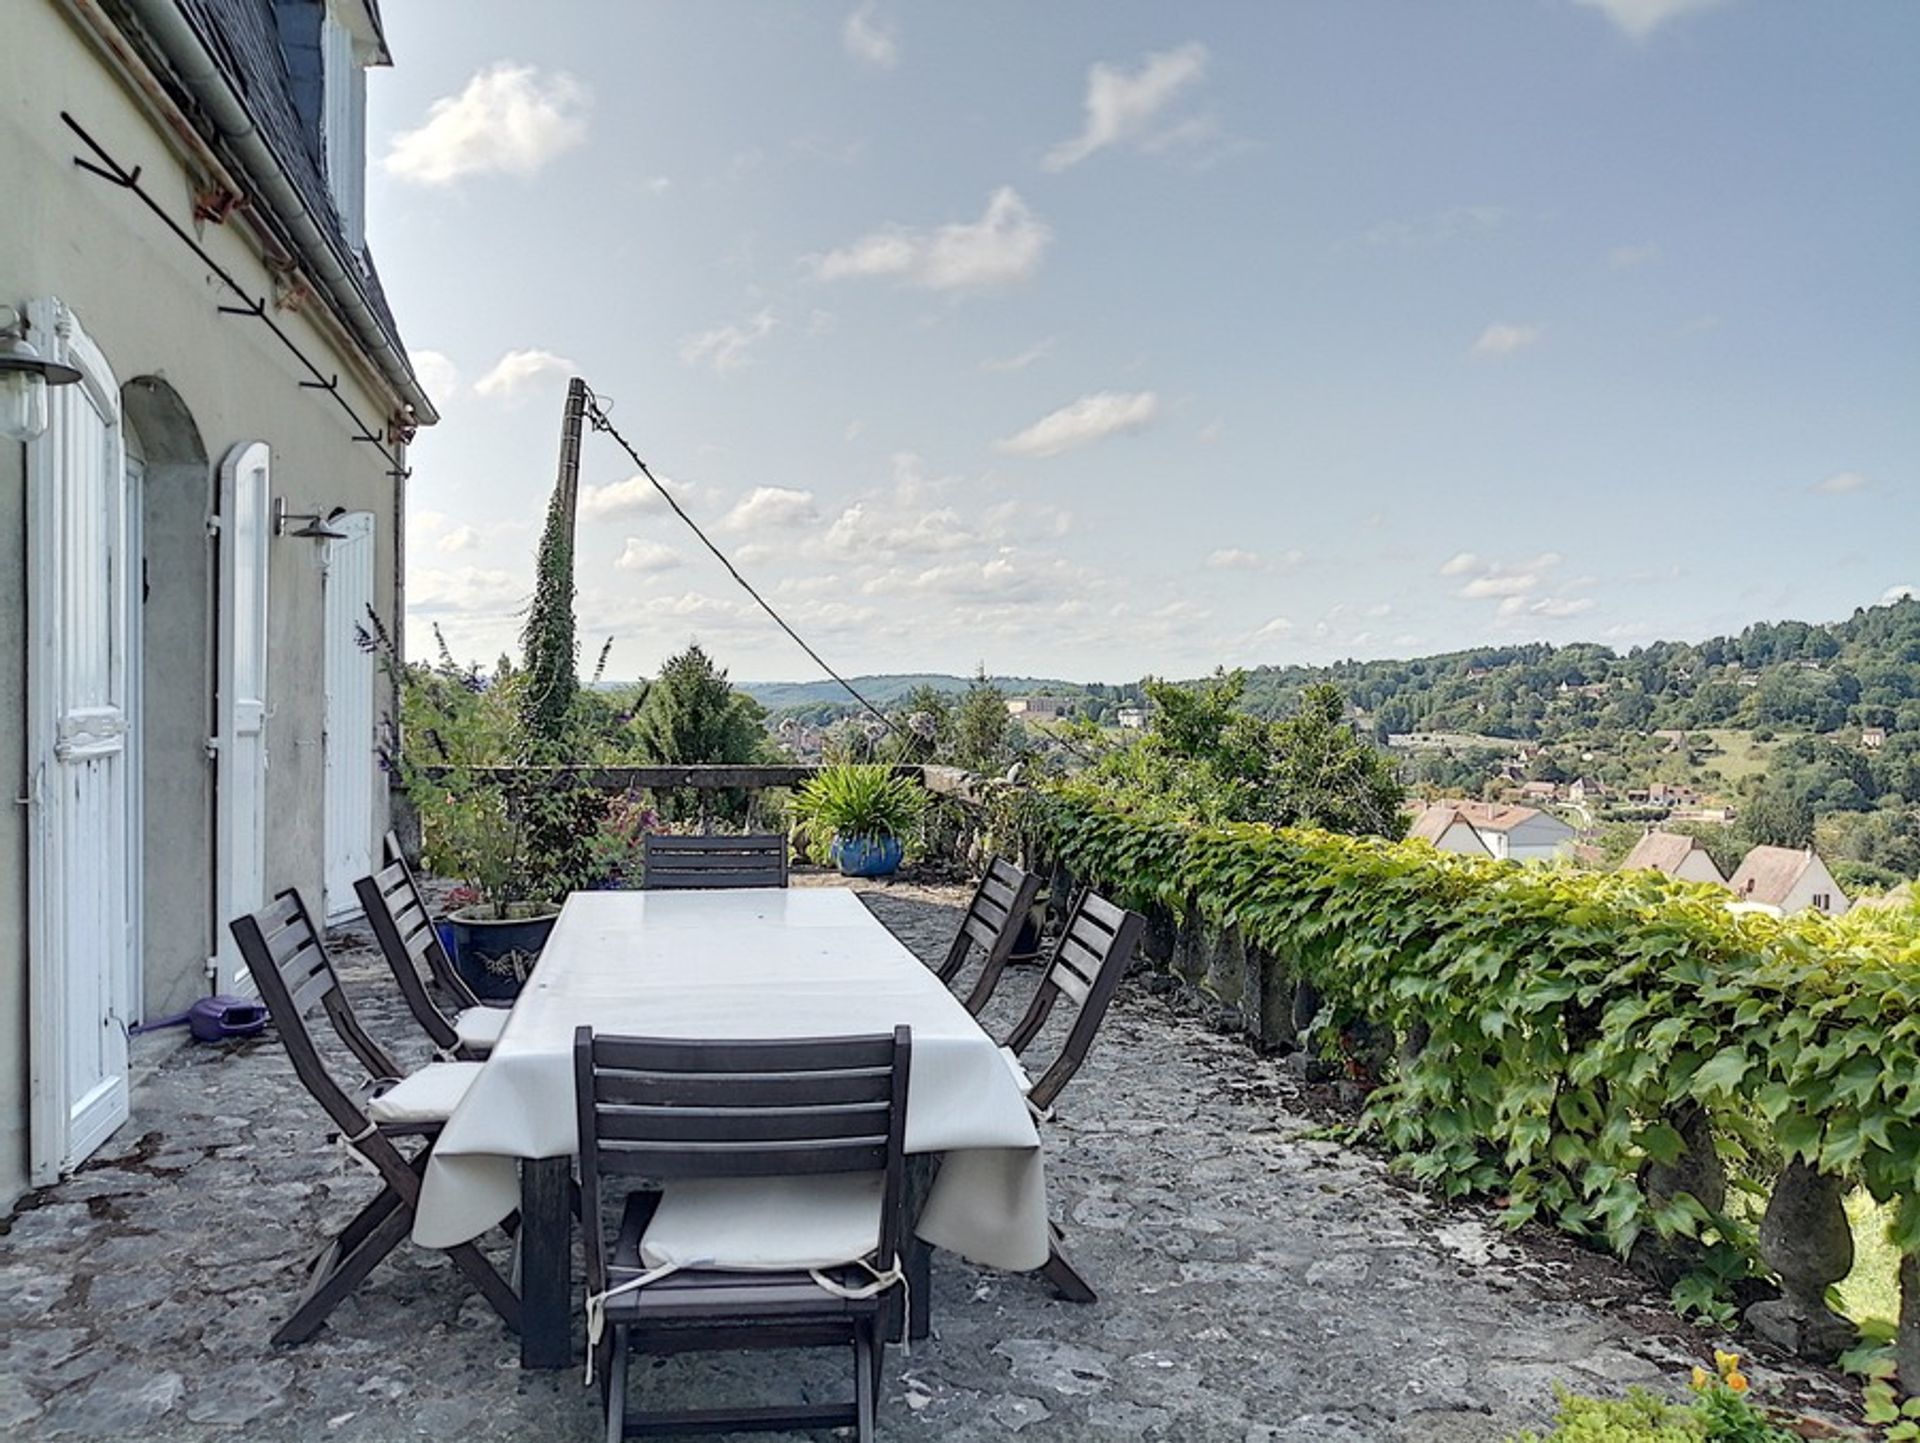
x,y
1569,1017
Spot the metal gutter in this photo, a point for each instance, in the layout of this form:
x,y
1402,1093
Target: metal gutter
x,y
197,69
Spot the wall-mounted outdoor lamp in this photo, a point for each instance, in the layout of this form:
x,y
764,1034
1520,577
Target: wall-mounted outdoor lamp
x,y
315,526
24,377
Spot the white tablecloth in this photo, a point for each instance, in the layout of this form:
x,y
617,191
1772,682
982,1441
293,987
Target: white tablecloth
x,y
752,963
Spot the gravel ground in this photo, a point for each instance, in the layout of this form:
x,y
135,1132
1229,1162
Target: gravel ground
x,y
1257,1283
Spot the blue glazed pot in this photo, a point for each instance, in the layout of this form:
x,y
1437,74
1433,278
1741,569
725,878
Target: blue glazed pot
x,y
449,936
868,856
494,957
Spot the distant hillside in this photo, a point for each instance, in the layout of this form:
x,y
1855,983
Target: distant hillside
x,y
1788,675
887,691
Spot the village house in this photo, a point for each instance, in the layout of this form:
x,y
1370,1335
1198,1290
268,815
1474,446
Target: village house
x,y
1041,708
1444,827
1873,738
1510,833
1788,879
1675,854
205,408
1132,718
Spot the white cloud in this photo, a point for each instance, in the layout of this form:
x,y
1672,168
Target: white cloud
x,y
437,374
1278,626
1462,563
725,348
1232,558
1006,245
1842,483
517,369
1516,584
770,506
1626,257
1898,593
647,556
623,498
868,39
468,590
1123,106
1549,607
1640,18
660,184
461,538
1021,361
509,119
1453,223
1089,419
1502,339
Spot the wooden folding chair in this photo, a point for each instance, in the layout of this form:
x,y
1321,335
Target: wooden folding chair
x,y
289,964
780,1223
1001,903
675,863
404,929
1087,963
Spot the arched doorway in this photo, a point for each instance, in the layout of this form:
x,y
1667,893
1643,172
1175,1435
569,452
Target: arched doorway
x,y
171,499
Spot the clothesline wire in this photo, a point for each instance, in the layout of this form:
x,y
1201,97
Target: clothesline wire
x,y
598,418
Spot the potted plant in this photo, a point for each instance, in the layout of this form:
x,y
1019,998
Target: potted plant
x,y
618,844
859,817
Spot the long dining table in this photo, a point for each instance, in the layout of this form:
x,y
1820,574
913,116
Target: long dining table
x,y
752,963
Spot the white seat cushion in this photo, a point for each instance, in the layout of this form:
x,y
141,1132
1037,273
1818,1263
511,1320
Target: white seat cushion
x,y
1022,1079
429,1095
765,1224
479,1027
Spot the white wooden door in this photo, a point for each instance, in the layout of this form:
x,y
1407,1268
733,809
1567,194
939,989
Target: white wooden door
x,y
82,848
240,719
350,739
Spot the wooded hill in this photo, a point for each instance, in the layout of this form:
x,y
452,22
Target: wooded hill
x,y
1787,676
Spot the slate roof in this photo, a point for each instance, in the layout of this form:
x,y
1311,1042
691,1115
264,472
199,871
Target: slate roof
x,y
1767,874
1661,852
245,36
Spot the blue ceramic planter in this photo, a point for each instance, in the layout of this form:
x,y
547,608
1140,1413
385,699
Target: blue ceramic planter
x,y
494,957
868,856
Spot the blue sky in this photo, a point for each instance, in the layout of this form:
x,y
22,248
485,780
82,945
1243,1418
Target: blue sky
x,y
1097,339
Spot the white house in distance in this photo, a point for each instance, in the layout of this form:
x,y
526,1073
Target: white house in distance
x,y
1510,833
1442,825
197,513
1789,879
1675,854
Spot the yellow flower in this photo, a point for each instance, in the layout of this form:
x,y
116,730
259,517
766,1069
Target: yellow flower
x,y
1702,1380
1726,1363
1737,1381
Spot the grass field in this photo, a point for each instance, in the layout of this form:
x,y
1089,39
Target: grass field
x,y
1739,756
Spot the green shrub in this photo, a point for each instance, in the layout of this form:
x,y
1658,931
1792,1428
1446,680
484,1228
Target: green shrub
x,y
1640,1417
857,800
1570,1017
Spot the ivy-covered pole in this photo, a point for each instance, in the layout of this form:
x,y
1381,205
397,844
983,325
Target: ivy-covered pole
x,y
548,641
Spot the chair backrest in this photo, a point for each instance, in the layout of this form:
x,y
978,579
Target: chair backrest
x,y
407,937
436,958
674,862
288,963
1086,967
1000,907
670,1108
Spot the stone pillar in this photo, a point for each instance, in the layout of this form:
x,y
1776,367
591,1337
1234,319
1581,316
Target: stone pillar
x,y
1274,1014
1161,936
1696,1170
1190,950
1306,1005
1906,1345
1412,1044
1230,981
1806,1240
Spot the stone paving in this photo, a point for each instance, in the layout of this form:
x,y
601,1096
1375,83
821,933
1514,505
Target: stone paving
x,y
1258,1283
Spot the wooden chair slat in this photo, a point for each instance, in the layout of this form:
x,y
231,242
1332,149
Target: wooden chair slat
x,y
1000,906
1086,967
677,862
699,1089
625,1131
749,1124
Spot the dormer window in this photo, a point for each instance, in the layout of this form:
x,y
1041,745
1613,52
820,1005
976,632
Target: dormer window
x,y
350,41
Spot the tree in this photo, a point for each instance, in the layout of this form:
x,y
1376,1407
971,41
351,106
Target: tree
x,y
1323,775
1777,817
981,726
549,647
691,714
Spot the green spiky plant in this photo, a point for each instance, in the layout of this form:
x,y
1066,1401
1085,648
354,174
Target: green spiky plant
x,y
856,800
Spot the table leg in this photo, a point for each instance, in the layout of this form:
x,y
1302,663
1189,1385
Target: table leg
x,y
921,1168
546,1262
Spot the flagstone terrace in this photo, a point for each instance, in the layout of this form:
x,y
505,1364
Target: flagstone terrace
x,y
1258,1281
